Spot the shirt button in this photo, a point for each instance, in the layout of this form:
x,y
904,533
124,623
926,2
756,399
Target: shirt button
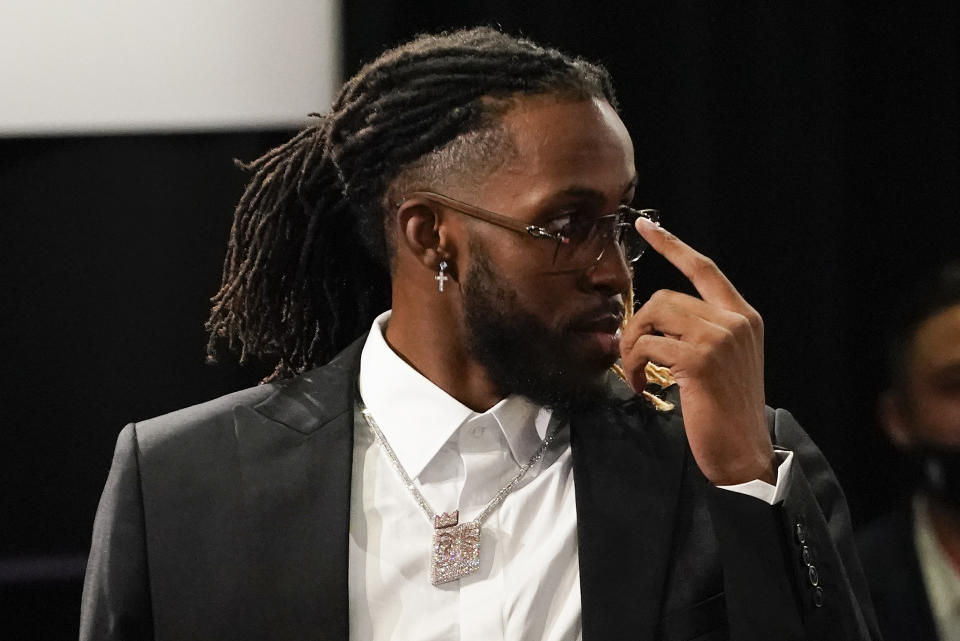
x,y
806,555
813,575
478,431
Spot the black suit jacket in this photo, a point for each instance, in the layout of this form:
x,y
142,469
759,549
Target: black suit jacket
x,y
896,582
229,520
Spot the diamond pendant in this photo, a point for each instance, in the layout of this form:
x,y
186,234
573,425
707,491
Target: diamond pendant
x,y
456,548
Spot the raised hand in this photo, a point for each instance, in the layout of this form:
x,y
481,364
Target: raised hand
x,y
714,349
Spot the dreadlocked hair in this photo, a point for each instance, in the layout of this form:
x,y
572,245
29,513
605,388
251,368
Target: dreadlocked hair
x,y
307,263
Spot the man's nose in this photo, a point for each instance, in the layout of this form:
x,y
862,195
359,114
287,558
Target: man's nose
x,y
610,273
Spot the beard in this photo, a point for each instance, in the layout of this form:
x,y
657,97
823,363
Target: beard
x,y
520,353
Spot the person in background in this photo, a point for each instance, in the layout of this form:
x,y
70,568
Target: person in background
x,y
912,554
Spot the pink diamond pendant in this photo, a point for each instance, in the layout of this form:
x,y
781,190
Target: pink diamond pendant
x,y
456,548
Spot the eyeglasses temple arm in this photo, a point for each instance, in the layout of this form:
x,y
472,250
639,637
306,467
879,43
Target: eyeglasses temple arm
x,y
489,216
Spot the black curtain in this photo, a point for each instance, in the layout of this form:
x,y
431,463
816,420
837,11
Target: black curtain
x,y
110,248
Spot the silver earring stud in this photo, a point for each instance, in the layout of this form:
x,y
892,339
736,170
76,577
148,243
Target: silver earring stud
x,y
441,277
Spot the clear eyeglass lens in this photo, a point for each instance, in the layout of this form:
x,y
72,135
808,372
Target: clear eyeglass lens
x,y
589,239
632,242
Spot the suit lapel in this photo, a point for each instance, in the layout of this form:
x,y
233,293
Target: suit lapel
x,y
627,469
295,451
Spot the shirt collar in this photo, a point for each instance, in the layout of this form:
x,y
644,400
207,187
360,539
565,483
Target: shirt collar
x,y
417,418
942,581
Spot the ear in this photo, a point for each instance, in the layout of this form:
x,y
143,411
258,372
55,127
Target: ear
x,y
892,413
423,234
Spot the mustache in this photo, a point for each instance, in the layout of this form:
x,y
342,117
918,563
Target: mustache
x,y
611,307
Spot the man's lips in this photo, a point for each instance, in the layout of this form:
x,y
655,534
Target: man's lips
x,y
602,334
601,324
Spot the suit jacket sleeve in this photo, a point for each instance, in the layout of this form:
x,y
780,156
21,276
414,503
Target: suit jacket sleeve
x,y
116,591
791,570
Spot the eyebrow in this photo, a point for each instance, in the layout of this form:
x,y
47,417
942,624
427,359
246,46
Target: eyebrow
x,y
589,193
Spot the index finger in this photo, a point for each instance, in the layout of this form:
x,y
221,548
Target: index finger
x,y
700,270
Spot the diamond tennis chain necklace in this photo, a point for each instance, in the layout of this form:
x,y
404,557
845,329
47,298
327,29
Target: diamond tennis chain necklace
x,y
456,546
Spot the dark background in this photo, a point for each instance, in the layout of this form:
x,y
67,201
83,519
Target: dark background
x,y
811,149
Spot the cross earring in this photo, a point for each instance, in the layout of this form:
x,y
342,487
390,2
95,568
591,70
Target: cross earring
x,y
441,277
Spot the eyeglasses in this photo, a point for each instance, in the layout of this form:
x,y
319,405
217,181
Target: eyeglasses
x,y
579,241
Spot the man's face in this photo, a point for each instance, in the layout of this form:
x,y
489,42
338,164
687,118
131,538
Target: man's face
x,y
932,409
547,333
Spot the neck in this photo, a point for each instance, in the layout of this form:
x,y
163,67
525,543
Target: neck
x,y
945,519
429,337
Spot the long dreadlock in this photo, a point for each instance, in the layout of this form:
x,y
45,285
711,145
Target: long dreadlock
x,y
296,286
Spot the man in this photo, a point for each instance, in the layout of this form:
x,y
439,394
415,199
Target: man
x,y
471,468
912,554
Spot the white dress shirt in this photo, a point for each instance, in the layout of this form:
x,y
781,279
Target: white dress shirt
x,y
940,576
528,582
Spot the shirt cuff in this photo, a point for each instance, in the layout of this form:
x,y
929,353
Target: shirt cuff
x,y
761,489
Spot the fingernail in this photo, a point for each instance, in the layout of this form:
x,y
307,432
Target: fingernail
x,y
649,224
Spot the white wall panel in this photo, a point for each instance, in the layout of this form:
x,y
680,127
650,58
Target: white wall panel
x,y
104,66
